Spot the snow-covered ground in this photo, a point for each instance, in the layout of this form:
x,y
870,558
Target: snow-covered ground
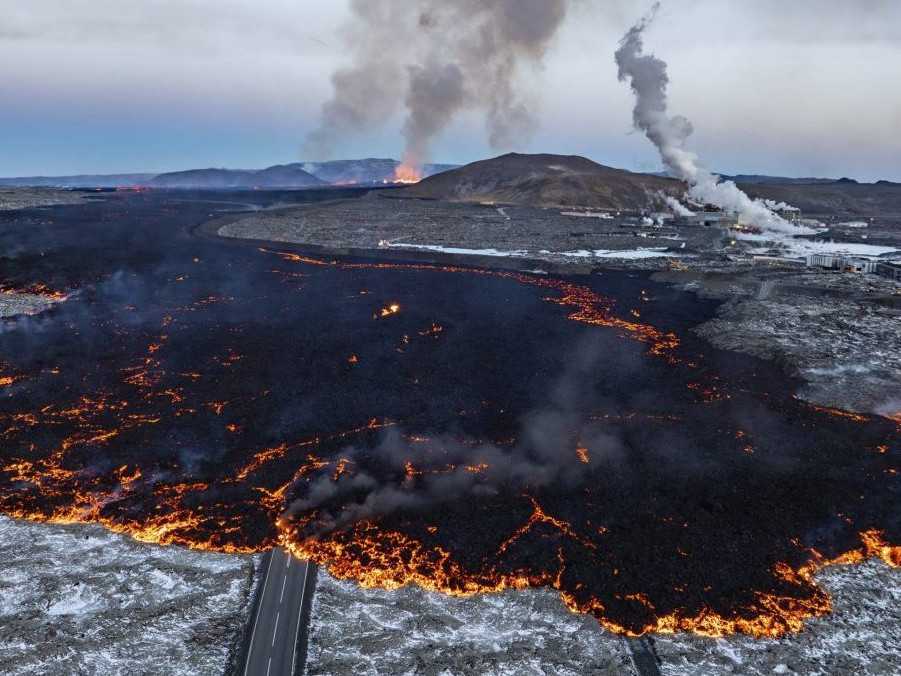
x,y
363,631
624,254
80,600
862,636
410,631
453,250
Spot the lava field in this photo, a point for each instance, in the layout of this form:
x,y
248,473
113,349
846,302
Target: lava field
x,y
466,430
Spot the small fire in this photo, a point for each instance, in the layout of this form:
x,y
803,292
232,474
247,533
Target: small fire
x,y
387,311
407,173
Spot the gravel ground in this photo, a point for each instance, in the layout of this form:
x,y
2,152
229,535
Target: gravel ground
x,y
540,234
26,198
80,600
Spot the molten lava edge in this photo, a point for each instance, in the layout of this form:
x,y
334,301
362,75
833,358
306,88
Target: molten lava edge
x,y
641,539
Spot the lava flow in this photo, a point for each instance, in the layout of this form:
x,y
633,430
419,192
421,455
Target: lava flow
x,y
498,430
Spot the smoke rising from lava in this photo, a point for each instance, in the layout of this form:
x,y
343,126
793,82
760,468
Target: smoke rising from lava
x,y
412,473
441,58
647,75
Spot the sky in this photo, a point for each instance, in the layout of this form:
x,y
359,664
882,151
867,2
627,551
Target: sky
x,y
799,88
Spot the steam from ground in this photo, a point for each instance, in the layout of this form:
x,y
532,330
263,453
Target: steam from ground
x,y
379,481
437,58
678,208
648,78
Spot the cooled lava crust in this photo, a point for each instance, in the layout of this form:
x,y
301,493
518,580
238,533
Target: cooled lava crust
x,y
466,430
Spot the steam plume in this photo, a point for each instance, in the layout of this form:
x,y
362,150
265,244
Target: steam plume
x,y
437,59
648,78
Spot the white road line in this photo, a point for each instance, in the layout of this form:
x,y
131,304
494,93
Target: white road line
x,y
269,666
284,583
303,590
256,621
275,629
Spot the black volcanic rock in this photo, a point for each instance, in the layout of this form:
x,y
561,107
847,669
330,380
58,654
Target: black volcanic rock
x,y
545,180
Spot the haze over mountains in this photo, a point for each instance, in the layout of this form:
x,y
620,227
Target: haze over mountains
x,y
368,171
536,180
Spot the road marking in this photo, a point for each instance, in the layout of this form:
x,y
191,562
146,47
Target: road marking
x,y
284,583
275,629
256,621
303,590
268,666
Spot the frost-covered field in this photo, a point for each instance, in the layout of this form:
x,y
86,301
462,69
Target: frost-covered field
x,y
80,600
410,631
862,636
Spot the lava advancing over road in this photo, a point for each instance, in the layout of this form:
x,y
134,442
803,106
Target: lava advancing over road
x,y
461,429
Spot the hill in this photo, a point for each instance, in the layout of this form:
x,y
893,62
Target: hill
x,y
544,180
372,170
840,198
278,176
775,180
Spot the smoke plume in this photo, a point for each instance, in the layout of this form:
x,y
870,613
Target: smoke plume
x,y
435,59
398,475
648,78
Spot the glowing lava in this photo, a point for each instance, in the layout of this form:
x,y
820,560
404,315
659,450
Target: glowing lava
x,y
407,173
664,517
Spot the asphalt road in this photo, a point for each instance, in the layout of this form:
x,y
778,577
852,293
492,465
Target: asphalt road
x,y
277,639
644,659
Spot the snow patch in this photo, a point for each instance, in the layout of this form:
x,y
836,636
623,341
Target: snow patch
x,y
454,250
626,254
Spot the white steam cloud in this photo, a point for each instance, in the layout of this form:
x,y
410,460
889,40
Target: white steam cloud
x,y
648,78
678,208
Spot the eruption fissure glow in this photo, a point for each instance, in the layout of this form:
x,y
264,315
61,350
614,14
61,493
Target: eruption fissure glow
x,y
353,499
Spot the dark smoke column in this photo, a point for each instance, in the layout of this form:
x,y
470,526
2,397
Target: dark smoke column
x,y
436,58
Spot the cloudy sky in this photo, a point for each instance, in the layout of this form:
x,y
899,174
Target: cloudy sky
x,y
801,87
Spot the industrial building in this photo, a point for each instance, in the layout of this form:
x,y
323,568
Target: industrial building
x,y
889,269
854,264
707,218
